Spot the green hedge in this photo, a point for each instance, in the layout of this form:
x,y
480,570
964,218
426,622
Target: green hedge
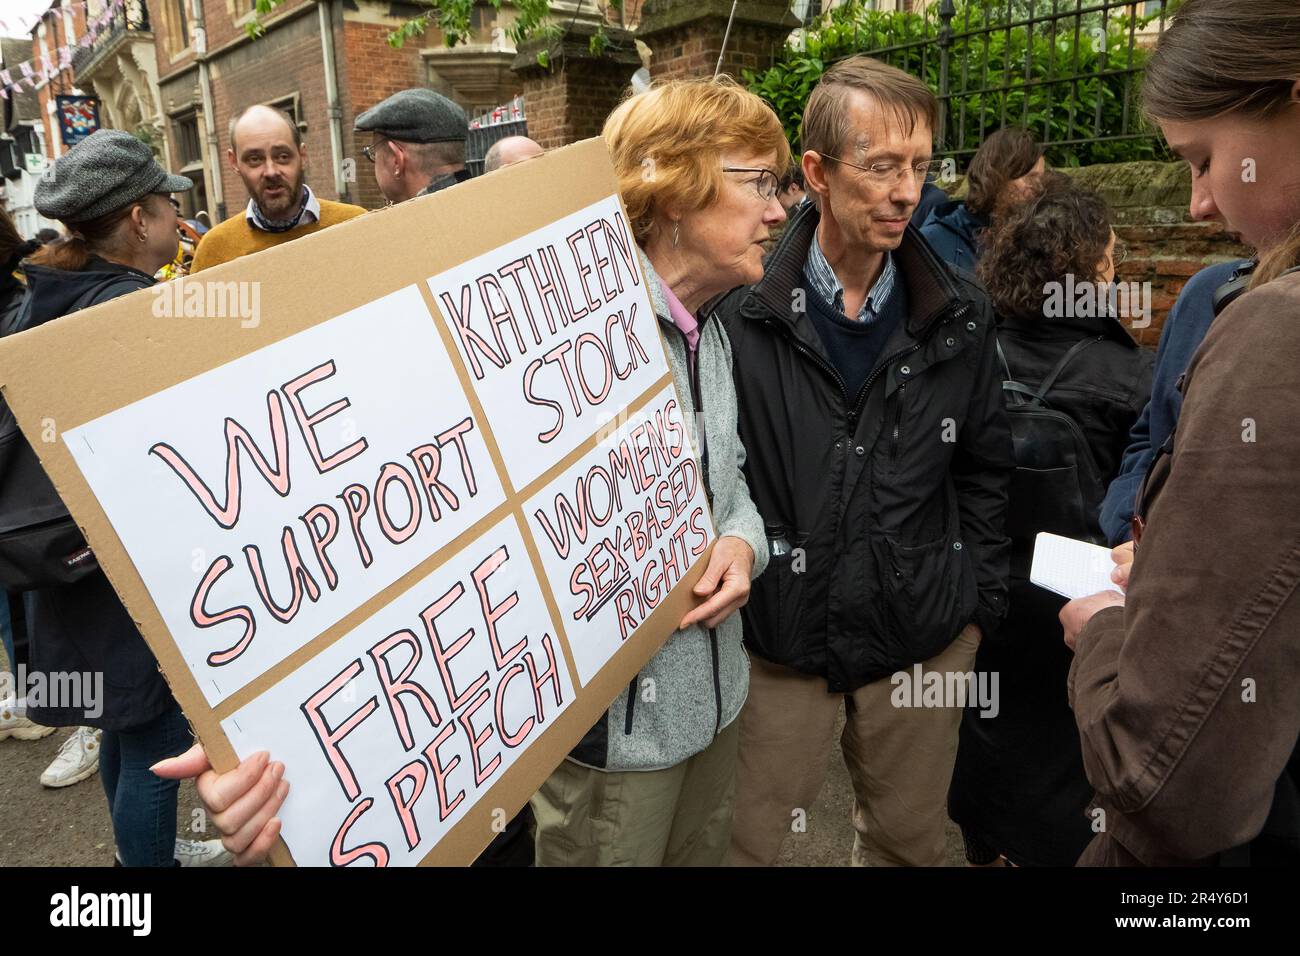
x,y
1042,109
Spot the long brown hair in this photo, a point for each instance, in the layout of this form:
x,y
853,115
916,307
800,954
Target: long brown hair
x,y
84,239
1005,155
1228,56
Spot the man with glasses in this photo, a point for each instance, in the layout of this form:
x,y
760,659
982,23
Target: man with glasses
x,y
878,455
418,143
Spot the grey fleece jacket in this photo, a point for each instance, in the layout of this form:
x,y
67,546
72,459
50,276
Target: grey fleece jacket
x,y
681,703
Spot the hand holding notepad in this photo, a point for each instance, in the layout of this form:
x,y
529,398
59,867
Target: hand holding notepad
x,y
1070,568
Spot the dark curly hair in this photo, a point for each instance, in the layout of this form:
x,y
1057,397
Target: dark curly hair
x,y
1064,231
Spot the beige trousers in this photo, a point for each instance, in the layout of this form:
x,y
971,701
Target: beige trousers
x,y
679,816
900,759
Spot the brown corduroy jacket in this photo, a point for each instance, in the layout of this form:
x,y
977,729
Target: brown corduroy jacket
x,y
1186,698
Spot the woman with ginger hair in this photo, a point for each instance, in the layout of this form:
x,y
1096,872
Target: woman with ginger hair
x,y
698,164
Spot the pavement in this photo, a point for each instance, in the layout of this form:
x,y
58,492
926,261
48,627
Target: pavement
x,y
70,826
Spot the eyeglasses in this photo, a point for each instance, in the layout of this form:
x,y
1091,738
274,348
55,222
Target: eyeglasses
x,y
766,184
887,174
369,151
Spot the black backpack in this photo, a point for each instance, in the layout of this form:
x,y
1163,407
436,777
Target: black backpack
x,y
40,544
1057,485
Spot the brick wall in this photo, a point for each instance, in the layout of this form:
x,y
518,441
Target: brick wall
x,y
692,49
222,19
369,71
569,99
685,36
570,104
1150,202
171,45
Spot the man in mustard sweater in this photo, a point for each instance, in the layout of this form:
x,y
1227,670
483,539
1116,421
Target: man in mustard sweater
x,y
266,150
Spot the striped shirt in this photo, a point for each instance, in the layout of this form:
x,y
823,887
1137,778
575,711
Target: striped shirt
x,y
819,275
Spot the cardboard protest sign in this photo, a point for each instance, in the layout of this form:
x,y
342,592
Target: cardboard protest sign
x,y
622,525
284,451
532,373
412,521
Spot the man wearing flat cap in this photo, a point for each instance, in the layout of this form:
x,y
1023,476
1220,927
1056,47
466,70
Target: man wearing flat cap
x,y
418,143
266,150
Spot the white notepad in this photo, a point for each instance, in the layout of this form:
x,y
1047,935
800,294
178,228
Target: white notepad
x,y
1070,568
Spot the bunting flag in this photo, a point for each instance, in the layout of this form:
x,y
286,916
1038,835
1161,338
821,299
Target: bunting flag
x,y
48,67
13,26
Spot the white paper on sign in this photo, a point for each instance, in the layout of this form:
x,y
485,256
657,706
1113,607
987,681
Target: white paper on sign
x,y
294,483
557,333
620,528
392,733
1070,568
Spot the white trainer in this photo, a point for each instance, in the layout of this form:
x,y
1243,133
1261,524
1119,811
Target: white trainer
x,y
77,759
203,853
14,723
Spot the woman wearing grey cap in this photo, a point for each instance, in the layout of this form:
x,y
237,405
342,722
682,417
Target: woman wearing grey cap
x,y
113,198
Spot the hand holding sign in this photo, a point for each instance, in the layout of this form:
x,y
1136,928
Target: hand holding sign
x,y
725,583
241,803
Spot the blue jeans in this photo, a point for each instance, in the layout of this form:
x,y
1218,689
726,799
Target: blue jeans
x,y
143,806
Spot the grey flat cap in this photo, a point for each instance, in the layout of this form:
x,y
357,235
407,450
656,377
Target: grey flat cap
x,y
416,116
106,171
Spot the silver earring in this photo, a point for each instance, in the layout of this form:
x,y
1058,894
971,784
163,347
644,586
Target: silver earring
x,y
143,237
676,233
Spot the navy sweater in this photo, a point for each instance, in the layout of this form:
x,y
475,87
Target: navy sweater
x,y
852,346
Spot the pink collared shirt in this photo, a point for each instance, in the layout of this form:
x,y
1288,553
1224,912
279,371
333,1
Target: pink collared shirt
x,y
685,322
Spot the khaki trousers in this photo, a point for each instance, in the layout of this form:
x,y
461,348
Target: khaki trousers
x,y
900,760
679,816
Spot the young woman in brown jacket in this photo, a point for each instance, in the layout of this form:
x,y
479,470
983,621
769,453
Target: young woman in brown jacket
x,y
1184,689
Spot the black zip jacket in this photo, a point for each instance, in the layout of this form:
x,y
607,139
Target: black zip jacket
x,y
83,628
893,500
1104,389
